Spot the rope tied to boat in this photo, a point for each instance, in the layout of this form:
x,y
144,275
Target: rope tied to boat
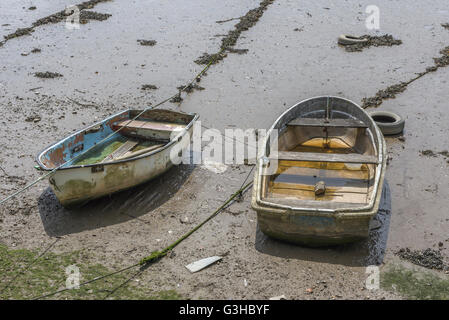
x,y
158,255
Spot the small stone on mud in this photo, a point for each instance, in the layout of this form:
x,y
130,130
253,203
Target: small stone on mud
x,y
184,220
309,290
33,118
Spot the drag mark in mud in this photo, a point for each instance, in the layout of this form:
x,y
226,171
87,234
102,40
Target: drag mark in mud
x,y
246,22
392,91
373,41
85,16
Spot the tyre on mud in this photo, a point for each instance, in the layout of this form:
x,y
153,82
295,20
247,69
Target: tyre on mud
x,y
388,122
345,39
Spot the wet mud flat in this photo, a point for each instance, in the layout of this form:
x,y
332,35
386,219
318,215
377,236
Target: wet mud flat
x,y
119,230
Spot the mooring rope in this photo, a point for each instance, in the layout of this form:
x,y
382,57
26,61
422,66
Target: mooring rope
x,y
156,255
198,76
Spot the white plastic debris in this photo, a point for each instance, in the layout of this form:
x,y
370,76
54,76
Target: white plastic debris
x,y
283,297
203,263
215,167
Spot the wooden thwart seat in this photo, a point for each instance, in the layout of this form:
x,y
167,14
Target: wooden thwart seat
x,y
150,125
322,122
124,148
325,157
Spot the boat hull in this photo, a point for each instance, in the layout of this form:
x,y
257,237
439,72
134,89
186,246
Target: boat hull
x,y
318,226
77,184
314,228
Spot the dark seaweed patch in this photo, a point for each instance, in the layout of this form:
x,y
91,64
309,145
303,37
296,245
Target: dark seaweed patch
x,y
427,258
149,43
190,87
373,41
392,91
47,75
245,23
149,87
85,16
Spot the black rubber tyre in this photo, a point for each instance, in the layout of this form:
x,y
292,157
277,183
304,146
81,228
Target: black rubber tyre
x,y
388,122
345,39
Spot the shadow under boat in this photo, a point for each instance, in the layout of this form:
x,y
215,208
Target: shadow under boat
x,y
113,209
370,251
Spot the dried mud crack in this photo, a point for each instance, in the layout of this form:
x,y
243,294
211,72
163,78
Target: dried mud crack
x,y
391,91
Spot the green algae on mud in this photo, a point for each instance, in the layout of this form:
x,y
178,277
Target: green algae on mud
x,y
413,284
47,274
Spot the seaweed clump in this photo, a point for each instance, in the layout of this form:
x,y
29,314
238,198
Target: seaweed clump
x,y
148,43
245,23
47,75
149,87
388,93
373,41
61,16
190,87
392,91
428,258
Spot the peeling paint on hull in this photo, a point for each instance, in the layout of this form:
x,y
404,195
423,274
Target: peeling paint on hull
x,y
74,184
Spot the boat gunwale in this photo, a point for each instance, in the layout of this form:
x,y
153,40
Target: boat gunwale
x,y
169,144
368,209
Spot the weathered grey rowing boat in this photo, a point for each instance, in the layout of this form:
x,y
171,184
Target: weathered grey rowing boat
x,y
99,162
319,180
